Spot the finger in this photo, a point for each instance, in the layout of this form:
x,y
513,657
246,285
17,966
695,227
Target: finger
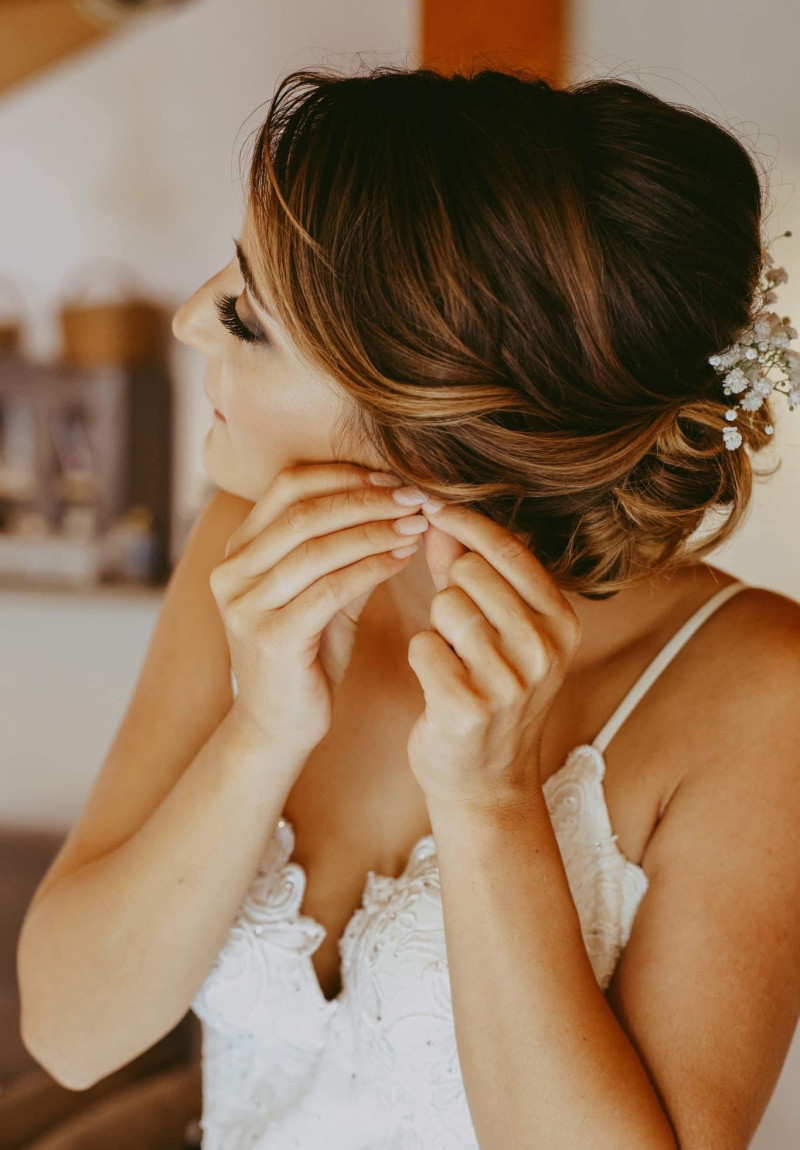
x,y
318,525
293,483
461,623
317,557
444,679
311,611
441,551
507,554
520,628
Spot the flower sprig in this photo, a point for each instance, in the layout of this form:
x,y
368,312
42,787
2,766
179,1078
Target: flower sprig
x,y
761,347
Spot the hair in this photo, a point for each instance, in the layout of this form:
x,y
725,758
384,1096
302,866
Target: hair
x,y
519,286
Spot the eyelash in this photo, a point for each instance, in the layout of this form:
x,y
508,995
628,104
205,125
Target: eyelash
x,y
229,318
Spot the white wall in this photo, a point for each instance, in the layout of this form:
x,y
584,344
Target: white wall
x,y
131,149
67,670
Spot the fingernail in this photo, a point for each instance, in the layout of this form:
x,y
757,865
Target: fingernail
x,y
385,479
413,525
432,506
401,552
408,496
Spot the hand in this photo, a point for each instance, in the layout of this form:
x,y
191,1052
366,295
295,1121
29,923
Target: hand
x,y
501,639
296,576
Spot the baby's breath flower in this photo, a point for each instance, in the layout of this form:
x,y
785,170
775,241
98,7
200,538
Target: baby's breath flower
x,y
745,367
735,380
751,402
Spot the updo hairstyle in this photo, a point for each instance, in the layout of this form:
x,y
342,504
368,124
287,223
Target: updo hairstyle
x,y
519,287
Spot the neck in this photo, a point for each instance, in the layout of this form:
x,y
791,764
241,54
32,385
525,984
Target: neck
x,y
400,606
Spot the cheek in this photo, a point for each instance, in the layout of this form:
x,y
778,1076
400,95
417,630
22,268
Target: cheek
x,y
275,425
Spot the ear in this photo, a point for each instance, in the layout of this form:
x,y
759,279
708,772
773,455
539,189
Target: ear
x,y
441,550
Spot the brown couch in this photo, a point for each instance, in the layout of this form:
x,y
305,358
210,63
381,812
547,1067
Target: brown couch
x,y
153,1103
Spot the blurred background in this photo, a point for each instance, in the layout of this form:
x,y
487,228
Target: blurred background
x,y
122,126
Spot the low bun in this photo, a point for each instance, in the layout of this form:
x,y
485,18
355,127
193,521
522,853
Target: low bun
x,y
647,521
519,289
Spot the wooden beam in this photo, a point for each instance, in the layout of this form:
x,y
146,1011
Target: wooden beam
x,y
36,33
460,34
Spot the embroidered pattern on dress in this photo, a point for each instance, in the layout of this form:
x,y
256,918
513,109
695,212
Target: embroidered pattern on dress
x,y
281,1061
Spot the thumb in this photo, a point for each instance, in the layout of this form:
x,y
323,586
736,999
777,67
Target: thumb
x,y
441,550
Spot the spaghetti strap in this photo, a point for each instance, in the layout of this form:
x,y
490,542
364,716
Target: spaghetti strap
x,y
665,655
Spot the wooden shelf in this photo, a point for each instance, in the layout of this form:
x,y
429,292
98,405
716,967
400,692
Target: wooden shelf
x,y
102,591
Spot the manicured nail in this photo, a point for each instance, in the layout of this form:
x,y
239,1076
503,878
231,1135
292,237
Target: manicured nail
x,y
401,552
412,525
385,479
432,506
408,496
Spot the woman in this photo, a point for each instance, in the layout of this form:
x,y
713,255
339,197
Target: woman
x,y
411,893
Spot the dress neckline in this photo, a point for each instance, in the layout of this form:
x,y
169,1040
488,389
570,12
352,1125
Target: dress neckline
x,y
427,844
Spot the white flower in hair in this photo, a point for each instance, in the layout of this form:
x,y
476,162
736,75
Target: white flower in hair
x,y
732,437
759,348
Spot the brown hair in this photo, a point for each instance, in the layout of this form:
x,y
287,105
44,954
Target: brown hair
x,y
520,286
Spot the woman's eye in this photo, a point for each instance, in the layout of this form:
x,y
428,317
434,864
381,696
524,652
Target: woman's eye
x,y
229,318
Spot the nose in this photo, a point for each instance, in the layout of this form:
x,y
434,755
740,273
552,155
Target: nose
x,y
178,329
195,321
187,324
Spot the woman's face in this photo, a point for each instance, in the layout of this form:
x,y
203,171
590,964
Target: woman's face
x,y
275,409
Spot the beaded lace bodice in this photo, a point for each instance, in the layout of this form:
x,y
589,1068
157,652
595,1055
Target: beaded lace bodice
x,y
377,1067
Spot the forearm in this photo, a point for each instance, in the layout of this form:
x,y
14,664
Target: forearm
x,y
545,1061
110,958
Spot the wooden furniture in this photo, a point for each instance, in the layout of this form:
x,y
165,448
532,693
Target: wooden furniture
x,y
126,411
153,1103
458,34
37,34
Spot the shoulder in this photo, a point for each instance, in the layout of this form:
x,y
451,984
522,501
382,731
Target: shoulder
x,y
740,686
205,545
758,607
189,633
758,656
223,513
755,652
734,688
748,648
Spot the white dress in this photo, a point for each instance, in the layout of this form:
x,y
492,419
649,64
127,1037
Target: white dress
x,y
377,1067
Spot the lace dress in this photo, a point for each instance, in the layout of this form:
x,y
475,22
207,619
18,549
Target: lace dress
x,y
377,1067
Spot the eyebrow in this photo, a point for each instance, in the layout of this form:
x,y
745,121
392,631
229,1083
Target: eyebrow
x,y
247,276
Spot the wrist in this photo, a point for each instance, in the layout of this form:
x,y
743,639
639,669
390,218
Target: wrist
x,y
286,756
489,817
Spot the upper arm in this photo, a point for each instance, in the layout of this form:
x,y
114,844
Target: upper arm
x,y
708,986
182,694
